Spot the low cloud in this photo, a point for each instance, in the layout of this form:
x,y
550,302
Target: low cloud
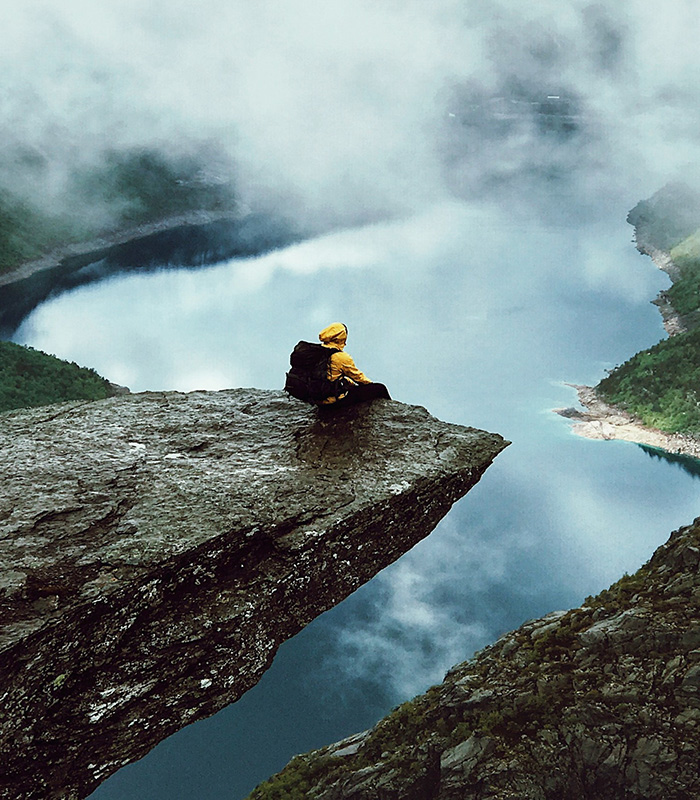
x,y
343,109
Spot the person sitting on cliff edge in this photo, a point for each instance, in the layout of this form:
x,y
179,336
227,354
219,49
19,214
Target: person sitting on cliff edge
x,y
356,386
326,377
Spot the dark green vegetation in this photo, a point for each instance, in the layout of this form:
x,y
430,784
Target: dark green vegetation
x,y
123,190
26,233
31,378
685,292
660,385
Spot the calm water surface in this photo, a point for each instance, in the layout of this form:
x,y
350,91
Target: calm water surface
x,y
482,319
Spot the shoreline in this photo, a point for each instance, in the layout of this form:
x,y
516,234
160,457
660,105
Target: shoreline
x,y
603,422
673,322
53,259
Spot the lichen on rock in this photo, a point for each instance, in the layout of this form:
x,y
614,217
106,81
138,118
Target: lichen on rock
x,y
155,550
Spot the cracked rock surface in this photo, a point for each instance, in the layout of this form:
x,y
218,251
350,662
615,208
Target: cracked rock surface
x,y
155,550
598,703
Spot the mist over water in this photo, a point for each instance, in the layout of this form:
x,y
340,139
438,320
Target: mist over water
x,y
468,167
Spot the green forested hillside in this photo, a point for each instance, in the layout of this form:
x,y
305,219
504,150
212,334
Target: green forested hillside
x,y
26,233
685,292
126,188
660,385
31,378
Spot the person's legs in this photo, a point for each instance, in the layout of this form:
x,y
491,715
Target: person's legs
x,y
363,392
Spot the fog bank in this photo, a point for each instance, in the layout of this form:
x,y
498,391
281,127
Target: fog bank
x,y
356,109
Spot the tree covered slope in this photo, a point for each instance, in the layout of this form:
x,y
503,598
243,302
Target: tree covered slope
x,y
660,385
31,378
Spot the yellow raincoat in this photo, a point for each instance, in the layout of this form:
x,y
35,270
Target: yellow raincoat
x,y
340,365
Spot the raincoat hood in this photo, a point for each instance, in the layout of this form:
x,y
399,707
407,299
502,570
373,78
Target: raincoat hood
x,y
335,334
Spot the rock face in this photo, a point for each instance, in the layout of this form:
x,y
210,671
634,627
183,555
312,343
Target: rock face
x,y
156,549
598,703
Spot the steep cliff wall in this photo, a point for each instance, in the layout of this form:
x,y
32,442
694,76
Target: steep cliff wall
x,y
598,703
156,549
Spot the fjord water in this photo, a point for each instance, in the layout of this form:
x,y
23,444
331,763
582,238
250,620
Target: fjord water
x,y
482,316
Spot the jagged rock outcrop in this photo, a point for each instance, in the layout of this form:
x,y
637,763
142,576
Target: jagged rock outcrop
x,y
155,549
598,703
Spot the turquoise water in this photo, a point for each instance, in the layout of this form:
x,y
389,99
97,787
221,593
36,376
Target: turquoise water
x,y
481,318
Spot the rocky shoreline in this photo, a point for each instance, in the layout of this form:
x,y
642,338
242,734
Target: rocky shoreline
x,y
602,421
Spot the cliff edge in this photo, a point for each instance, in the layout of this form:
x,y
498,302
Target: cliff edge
x,y
598,703
155,550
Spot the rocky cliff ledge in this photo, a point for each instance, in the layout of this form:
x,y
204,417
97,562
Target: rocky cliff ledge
x,y
156,549
598,703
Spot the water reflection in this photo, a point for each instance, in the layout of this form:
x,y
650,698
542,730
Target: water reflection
x,y
686,463
186,246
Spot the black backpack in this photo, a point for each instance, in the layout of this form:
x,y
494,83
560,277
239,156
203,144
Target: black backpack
x,y
307,380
